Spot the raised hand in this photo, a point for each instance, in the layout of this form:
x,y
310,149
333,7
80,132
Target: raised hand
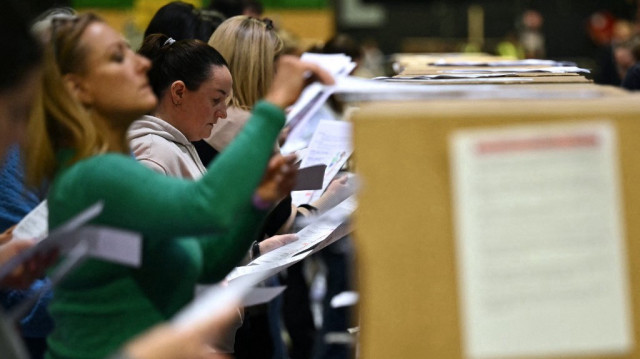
x,y
279,179
292,76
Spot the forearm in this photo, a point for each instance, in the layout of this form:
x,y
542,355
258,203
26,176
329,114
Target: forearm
x,y
138,199
222,253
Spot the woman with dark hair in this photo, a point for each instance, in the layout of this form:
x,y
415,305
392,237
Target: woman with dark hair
x,y
192,82
94,87
181,21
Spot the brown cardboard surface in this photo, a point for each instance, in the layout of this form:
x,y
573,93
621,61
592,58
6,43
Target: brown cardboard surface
x,y
404,227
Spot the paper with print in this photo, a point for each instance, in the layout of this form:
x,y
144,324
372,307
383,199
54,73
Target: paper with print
x,y
34,225
540,242
324,230
331,145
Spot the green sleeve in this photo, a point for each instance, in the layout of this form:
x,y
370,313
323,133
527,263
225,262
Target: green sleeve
x,y
141,200
220,254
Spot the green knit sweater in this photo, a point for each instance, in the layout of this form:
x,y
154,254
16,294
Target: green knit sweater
x,y
193,232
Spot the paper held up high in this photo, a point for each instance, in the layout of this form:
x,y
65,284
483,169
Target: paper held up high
x,y
330,146
338,65
316,94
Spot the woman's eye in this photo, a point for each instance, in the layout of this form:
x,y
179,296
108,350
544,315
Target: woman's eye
x,y
117,57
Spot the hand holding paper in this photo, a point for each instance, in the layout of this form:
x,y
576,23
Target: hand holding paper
x,y
291,79
277,241
34,267
7,235
279,179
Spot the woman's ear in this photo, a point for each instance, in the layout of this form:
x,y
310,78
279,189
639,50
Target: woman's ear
x,y
77,88
178,89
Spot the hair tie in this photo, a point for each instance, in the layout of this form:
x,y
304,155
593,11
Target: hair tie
x,y
168,42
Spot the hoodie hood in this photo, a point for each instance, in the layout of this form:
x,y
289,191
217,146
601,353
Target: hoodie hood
x,y
149,125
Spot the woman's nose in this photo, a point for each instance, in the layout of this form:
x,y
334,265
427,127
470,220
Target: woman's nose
x,y
222,113
143,63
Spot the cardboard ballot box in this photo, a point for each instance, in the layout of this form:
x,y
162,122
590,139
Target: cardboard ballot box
x,y
499,228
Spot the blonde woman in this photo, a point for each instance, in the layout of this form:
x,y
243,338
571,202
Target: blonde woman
x,y
94,87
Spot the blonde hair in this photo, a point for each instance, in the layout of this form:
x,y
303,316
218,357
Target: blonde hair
x,y
59,120
250,47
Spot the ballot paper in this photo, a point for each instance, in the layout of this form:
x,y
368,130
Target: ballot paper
x,y
335,64
261,295
540,242
265,270
300,136
255,296
330,145
34,224
214,302
58,239
315,95
111,244
326,229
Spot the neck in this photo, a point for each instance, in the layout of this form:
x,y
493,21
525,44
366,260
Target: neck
x,y
168,112
115,134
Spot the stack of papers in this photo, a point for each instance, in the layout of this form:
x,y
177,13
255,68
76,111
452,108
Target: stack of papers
x,y
500,63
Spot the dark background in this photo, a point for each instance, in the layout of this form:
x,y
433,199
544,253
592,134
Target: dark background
x,y
564,22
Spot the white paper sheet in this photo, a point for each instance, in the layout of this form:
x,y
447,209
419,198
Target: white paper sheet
x,y
255,296
330,145
541,257
261,295
301,114
115,245
266,269
62,238
214,302
300,136
34,224
326,229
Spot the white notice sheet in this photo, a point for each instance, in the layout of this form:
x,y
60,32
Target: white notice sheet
x,y
540,249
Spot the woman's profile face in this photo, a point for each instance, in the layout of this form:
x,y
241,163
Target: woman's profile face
x,y
202,108
114,80
15,107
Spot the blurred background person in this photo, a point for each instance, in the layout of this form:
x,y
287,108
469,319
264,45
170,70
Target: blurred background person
x,y
531,36
180,20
